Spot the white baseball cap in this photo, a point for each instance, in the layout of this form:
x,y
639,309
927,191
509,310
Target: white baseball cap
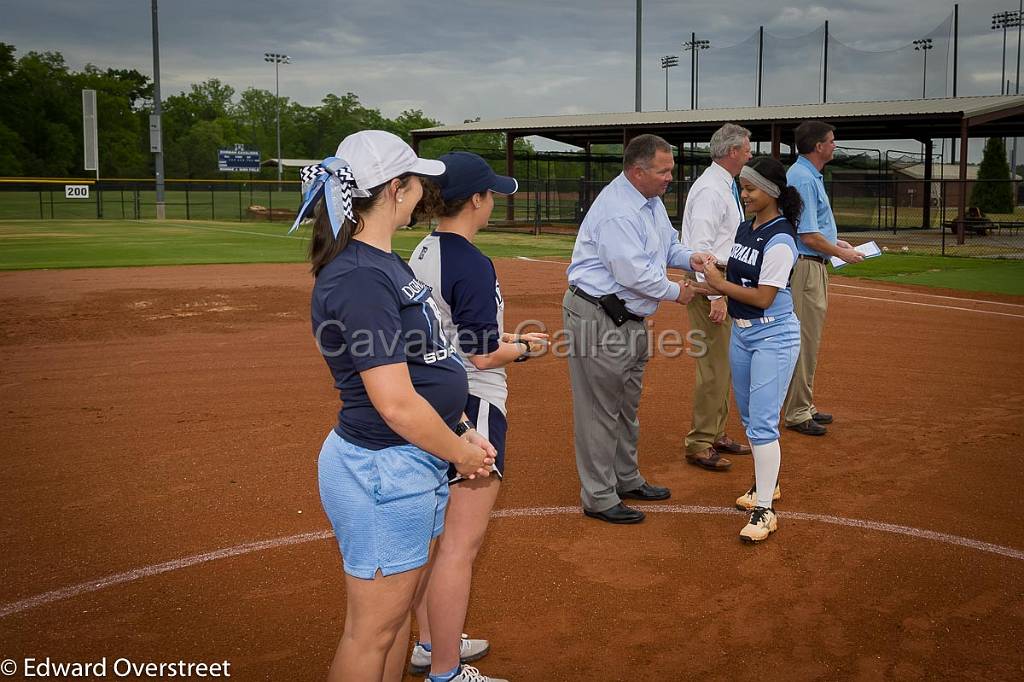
x,y
377,156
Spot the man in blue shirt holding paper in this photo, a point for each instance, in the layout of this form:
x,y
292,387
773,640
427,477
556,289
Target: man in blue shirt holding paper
x,y
617,277
819,240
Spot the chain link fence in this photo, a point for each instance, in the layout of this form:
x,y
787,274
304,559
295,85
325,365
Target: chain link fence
x,y
136,200
900,215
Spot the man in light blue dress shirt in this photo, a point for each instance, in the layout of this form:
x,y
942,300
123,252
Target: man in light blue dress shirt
x,y
624,247
819,240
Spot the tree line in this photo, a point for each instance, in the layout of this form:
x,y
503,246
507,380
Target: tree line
x,y
41,123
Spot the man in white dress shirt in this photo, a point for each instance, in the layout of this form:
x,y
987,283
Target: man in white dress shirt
x,y
713,212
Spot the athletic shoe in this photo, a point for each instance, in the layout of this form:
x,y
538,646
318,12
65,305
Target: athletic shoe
x,y
469,650
762,523
748,500
471,674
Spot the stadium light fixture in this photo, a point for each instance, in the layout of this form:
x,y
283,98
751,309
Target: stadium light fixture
x,y
277,59
667,62
1000,22
694,47
923,45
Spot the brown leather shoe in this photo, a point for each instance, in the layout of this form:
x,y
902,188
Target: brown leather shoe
x,y
709,459
727,446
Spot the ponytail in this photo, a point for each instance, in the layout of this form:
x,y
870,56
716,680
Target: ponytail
x,y
324,246
791,205
433,205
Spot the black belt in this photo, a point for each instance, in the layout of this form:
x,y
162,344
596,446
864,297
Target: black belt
x,y
819,259
576,291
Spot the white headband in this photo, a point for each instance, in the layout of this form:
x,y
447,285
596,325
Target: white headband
x,y
760,181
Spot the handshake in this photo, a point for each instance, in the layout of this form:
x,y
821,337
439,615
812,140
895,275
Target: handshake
x,y
705,263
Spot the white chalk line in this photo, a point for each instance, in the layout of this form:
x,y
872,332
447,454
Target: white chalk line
x,y
887,300
930,305
227,229
186,562
919,293
256,234
156,569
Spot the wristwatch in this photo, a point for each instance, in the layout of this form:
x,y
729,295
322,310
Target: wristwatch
x,y
464,426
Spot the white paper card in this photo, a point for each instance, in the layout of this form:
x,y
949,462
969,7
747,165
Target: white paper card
x,y
869,250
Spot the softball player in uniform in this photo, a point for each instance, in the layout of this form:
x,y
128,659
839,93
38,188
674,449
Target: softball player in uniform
x,y
471,310
766,333
382,468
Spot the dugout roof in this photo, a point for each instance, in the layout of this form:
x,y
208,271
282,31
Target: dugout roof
x,y
994,116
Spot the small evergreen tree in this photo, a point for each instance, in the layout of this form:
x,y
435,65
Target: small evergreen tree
x,y
993,197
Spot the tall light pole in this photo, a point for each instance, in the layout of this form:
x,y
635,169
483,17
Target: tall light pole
x,y
924,44
667,62
277,60
639,43
694,46
1000,22
155,135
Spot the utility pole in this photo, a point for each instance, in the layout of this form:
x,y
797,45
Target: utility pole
x,y
667,62
639,42
155,132
694,46
277,60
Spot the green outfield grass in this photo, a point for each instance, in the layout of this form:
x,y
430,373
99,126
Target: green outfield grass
x,y
35,244
967,274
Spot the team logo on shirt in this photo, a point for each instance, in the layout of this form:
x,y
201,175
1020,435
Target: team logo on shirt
x,y
745,254
443,348
414,289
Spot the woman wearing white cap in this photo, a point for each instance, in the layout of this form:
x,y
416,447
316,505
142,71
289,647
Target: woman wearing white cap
x,y
465,288
383,467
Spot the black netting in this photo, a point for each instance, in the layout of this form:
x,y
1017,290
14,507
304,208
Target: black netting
x,y
727,76
792,68
857,74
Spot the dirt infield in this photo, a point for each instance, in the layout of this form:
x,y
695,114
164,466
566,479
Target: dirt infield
x,y
155,415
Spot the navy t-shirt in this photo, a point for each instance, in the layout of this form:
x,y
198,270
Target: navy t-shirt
x,y
368,310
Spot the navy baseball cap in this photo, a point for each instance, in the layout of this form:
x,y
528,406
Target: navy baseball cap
x,y
466,174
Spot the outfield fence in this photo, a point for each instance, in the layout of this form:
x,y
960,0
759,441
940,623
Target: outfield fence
x,y
902,215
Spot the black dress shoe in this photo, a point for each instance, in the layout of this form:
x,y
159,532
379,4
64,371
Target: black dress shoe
x,y
822,417
647,492
620,513
808,428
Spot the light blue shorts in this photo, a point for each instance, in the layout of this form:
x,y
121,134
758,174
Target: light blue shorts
x,y
385,505
762,359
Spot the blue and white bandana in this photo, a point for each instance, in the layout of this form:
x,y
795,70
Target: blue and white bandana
x,y
332,179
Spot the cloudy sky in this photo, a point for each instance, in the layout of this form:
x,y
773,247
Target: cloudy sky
x,y
459,59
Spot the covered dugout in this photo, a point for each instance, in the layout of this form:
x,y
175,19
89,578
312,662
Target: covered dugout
x,y
924,120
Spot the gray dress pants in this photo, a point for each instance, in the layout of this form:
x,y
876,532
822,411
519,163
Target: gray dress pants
x,y
606,368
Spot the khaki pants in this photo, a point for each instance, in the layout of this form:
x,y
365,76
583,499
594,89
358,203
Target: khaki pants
x,y
810,301
711,387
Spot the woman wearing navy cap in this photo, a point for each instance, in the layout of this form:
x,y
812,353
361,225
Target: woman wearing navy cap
x,y
766,333
383,467
465,287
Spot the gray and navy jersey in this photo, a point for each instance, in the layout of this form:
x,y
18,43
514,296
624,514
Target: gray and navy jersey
x,y
465,288
763,256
